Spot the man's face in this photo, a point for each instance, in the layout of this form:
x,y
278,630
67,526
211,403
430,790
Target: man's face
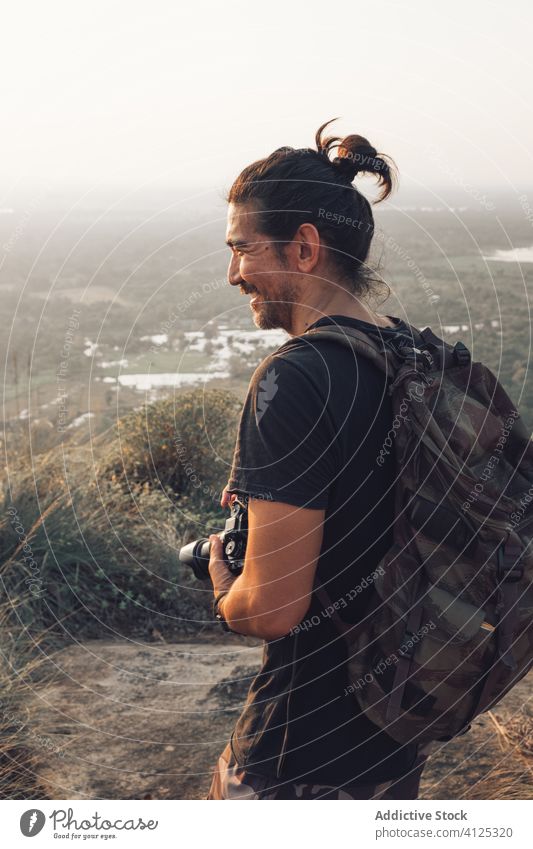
x,y
259,270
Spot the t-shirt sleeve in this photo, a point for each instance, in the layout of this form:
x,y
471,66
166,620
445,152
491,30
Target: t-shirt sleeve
x,y
286,448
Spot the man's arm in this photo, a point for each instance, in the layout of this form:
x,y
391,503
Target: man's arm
x,y
273,592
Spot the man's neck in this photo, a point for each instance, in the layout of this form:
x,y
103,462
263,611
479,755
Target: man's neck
x,y
304,317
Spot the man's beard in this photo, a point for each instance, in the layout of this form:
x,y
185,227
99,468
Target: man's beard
x,y
275,309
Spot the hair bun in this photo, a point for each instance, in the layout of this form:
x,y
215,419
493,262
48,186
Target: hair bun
x,y
355,154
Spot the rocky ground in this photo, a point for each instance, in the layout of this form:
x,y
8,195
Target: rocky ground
x,y
141,720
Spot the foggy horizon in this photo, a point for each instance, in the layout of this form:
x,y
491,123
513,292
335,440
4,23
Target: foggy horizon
x,y
184,98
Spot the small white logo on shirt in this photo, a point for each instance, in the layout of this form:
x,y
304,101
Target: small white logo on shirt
x,y
266,393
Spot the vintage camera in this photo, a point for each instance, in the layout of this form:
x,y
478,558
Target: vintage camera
x,y
196,554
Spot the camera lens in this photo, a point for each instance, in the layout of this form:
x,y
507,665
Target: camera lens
x,y
196,555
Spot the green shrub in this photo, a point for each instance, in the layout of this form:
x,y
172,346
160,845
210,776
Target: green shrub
x,y
102,538
183,445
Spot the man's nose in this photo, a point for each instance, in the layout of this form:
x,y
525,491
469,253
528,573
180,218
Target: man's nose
x,y
234,273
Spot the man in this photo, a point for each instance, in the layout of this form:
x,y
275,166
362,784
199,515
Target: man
x,y
320,506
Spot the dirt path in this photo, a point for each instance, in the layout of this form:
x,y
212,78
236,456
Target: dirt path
x,y
141,720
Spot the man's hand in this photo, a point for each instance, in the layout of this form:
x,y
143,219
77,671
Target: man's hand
x,y
221,576
227,498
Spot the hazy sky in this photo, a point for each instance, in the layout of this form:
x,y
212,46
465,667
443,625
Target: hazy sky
x,y
189,93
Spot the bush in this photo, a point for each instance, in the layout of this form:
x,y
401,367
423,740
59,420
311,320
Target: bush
x,y
182,446
90,544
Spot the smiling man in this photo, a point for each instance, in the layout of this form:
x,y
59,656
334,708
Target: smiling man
x,y
320,507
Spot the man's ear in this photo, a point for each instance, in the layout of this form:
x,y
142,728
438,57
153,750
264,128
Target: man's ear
x,y
307,243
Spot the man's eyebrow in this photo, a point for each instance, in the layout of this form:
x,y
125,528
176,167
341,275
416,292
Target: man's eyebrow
x,y
237,243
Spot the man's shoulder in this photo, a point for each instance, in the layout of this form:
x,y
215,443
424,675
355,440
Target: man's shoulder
x,y
297,364
315,357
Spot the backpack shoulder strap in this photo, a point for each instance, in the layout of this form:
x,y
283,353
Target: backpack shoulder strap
x,y
357,340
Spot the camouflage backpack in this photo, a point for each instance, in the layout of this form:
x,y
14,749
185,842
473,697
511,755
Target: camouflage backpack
x,y
448,631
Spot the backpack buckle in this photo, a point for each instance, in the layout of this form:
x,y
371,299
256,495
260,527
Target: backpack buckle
x,y
461,354
510,569
416,355
408,646
407,652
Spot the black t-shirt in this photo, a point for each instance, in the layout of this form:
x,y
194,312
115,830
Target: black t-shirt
x,y
313,423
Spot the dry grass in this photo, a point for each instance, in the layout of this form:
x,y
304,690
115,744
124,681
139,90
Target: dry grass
x,y
512,776
20,663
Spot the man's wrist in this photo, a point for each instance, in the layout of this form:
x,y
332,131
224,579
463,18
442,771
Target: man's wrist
x,y
217,613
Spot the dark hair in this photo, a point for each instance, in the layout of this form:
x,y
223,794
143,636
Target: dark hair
x,y
292,187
